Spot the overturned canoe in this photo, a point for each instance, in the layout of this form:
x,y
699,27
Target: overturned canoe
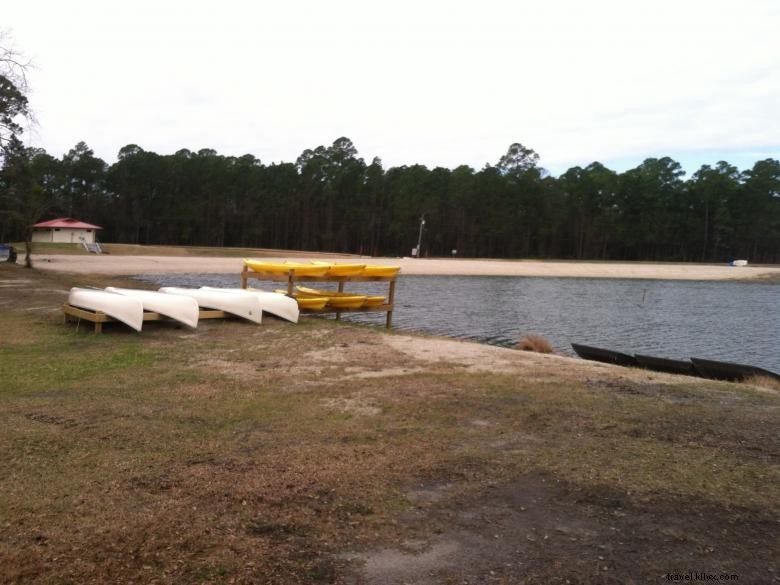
x,y
716,370
670,366
244,306
279,305
606,356
177,307
128,310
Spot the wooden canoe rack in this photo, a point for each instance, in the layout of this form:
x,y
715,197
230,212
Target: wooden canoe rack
x,y
292,279
98,317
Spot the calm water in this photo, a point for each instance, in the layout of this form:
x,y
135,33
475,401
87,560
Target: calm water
x,y
734,321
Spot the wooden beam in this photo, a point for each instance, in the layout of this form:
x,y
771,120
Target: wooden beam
x,y
98,318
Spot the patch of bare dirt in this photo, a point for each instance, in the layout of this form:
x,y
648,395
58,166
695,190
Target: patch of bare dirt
x,y
360,355
357,405
366,374
331,355
233,369
536,530
534,367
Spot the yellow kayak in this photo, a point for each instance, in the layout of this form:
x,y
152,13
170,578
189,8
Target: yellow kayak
x,y
307,269
260,266
341,269
374,301
352,302
336,300
285,267
379,270
370,301
315,303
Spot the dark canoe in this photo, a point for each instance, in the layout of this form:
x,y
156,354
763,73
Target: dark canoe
x,y
607,356
728,371
658,364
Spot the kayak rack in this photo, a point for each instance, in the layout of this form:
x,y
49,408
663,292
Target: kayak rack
x,y
291,278
98,317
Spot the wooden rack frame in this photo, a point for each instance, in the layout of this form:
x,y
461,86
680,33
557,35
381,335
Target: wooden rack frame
x,y
98,317
291,279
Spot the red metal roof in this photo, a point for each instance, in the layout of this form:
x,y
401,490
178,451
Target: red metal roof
x,y
67,222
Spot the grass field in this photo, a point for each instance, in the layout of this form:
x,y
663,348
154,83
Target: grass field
x,y
332,453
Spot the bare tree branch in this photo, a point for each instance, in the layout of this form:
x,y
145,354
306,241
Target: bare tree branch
x,y
13,64
15,113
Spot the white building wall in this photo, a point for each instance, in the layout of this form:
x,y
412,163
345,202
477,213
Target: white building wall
x,y
64,236
41,235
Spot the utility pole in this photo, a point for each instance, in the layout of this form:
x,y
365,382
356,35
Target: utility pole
x,y
419,237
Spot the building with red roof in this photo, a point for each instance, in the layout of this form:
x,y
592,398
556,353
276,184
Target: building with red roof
x,y
65,230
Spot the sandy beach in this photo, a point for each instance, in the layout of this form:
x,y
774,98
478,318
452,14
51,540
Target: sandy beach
x,y
131,265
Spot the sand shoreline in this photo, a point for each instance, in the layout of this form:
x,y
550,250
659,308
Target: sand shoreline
x,y
132,265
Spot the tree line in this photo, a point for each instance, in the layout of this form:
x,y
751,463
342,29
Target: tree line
x,y
330,199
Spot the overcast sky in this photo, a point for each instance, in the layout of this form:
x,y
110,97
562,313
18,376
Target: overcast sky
x,y
437,83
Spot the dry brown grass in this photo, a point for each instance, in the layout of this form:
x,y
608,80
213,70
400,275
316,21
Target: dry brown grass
x,y
536,343
763,382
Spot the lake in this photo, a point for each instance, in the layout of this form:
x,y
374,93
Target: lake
x,y
725,320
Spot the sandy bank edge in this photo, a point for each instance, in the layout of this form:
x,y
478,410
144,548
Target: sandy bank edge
x,y
131,265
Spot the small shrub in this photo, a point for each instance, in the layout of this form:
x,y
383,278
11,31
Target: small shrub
x,y
535,343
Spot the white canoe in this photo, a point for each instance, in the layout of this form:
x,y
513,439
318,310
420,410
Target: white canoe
x,y
245,306
276,304
177,307
125,309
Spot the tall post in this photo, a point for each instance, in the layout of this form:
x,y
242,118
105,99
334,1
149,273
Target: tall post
x,y
419,237
391,302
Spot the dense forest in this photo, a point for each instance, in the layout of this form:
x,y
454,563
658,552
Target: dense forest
x,y
332,200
